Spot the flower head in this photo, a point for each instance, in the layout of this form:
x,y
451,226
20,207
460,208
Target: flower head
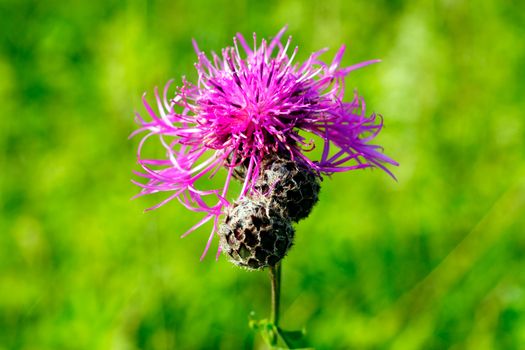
x,y
246,106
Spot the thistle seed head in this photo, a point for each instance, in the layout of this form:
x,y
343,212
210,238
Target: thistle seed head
x,y
254,235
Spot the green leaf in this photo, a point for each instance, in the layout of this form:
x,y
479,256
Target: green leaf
x,y
293,339
276,337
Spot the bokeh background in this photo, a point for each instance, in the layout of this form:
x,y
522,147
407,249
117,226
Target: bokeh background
x,y
435,260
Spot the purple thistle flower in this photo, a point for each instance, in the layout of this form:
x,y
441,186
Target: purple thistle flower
x,y
249,105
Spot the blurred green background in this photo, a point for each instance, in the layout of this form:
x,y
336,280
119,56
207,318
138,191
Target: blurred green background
x,y
433,261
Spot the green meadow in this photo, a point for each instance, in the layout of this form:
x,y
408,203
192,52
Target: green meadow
x,y
434,260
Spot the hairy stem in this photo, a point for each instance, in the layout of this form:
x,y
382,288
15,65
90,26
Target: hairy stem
x,y
275,277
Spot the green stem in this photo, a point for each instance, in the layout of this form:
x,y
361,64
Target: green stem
x,y
275,277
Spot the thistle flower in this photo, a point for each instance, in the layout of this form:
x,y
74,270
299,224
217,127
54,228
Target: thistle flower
x,y
246,106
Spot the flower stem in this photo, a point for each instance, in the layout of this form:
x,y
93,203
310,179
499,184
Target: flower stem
x,y
275,277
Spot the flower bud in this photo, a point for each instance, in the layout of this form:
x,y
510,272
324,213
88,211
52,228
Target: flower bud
x,y
291,187
254,235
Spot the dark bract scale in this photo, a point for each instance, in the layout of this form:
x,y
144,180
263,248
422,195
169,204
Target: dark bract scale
x,y
254,235
292,188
